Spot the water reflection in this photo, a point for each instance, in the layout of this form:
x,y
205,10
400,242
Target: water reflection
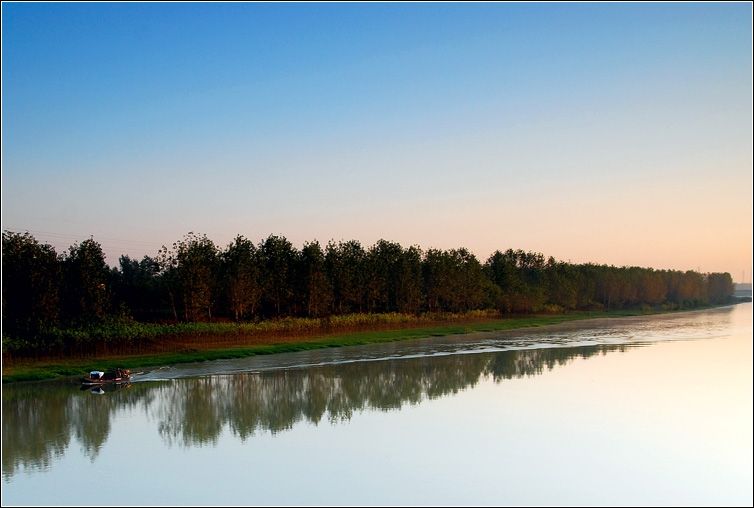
x,y
39,420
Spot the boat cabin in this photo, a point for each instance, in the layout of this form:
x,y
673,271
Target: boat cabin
x,y
98,375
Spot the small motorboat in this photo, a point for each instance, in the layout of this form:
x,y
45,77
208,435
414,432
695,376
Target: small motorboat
x,y
115,376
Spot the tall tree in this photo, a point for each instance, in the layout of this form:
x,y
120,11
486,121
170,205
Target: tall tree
x,y
242,278
382,267
436,271
85,291
408,280
191,272
720,287
561,284
317,290
278,262
31,278
502,269
345,264
136,286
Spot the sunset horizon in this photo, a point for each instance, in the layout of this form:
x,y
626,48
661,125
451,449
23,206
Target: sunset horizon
x,y
559,129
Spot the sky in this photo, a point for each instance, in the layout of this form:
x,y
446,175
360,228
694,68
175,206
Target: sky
x,y
608,133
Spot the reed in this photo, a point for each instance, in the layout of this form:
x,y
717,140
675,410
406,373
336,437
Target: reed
x,y
193,342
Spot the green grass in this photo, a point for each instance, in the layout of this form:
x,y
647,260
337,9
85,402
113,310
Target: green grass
x,y
71,368
120,333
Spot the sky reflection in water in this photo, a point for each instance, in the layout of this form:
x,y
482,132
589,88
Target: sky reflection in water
x,y
528,418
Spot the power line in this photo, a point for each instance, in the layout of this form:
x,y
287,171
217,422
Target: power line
x,y
77,237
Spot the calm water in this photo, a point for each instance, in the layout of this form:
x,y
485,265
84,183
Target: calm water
x,y
652,410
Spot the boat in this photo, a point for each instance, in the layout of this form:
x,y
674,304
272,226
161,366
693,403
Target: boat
x,y
115,376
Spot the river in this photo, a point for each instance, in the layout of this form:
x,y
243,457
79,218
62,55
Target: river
x,y
653,410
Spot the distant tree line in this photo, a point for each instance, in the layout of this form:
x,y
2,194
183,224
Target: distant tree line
x,y
195,280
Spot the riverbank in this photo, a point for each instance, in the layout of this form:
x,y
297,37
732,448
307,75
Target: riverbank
x,y
48,369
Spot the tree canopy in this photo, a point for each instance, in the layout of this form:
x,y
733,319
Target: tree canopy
x,y
195,280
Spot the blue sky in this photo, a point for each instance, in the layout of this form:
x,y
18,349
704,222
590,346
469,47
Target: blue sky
x,y
613,133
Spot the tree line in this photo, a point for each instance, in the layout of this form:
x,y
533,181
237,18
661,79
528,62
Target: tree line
x,y
195,280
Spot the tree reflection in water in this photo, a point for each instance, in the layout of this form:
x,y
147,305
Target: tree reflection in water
x,y
39,419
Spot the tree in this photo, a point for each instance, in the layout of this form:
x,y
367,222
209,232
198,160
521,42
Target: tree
x,y
408,281
345,269
136,286
31,278
190,270
85,291
382,270
652,288
470,286
435,274
278,259
241,277
501,269
720,287
561,284
316,288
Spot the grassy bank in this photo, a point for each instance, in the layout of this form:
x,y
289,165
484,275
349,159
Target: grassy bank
x,y
42,369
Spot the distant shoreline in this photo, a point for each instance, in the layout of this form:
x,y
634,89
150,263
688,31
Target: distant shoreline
x,y
40,370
